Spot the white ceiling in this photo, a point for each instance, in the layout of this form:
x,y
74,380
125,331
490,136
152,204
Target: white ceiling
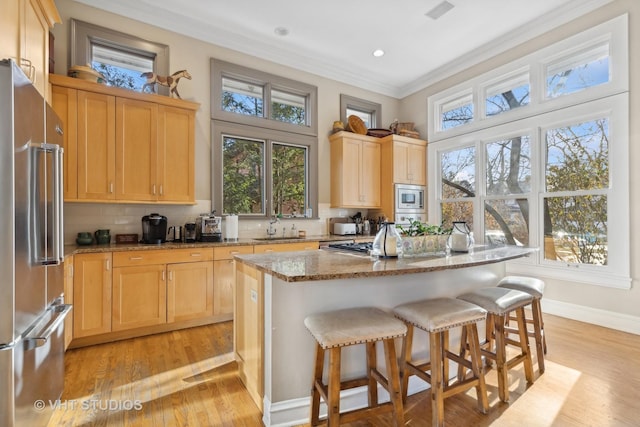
x,y
336,38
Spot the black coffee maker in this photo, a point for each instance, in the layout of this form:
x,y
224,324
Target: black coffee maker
x,y
154,228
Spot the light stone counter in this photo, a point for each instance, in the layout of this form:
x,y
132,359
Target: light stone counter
x,y
330,264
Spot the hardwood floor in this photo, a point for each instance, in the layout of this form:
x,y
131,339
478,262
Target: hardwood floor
x,y
187,378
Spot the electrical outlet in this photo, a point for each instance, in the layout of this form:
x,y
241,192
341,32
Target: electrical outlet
x,y
254,295
342,213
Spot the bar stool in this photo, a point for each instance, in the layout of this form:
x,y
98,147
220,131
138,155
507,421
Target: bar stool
x,y
337,329
499,302
535,288
437,316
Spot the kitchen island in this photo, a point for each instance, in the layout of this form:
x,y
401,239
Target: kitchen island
x,y
275,292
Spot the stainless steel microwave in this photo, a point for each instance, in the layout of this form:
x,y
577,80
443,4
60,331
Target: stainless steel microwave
x,y
409,198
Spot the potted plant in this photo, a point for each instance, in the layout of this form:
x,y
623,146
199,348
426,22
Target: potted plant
x,y
420,239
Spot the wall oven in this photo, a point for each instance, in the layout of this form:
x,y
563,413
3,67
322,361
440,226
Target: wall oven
x,y
409,204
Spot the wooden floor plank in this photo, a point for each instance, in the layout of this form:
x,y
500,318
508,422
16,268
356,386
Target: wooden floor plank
x,y
188,379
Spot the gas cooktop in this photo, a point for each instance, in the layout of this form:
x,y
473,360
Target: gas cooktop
x,y
363,247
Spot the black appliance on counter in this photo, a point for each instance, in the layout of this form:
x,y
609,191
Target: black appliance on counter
x,y
361,247
154,228
190,232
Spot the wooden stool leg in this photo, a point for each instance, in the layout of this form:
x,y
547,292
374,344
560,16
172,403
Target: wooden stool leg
x,y
372,364
407,344
444,336
501,358
333,404
490,333
317,382
463,354
393,381
524,344
476,366
537,332
437,386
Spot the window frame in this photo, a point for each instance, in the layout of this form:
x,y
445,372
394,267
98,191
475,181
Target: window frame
x,y
362,105
222,69
220,128
616,273
613,32
84,34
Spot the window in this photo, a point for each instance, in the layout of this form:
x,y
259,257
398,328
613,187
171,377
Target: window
x,y
553,174
508,94
369,112
264,152
577,71
456,111
119,57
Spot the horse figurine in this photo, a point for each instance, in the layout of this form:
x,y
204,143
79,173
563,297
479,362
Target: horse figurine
x,y
170,81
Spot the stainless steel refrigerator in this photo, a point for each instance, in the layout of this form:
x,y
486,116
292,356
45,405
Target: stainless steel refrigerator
x,y
32,308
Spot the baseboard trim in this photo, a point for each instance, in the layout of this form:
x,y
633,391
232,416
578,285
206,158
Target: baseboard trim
x,y
596,316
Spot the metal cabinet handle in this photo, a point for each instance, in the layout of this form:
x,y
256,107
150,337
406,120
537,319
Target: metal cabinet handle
x,y
107,265
135,258
196,254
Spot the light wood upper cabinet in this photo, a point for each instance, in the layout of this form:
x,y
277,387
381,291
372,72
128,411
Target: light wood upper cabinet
x,y
176,156
355,170
96,146
91,294
128,146
66,102
136,150
24,37
10,24
409,162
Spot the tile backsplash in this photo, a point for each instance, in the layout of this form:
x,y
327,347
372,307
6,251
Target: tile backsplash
x,y
127,218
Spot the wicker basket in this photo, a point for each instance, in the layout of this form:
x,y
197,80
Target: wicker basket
x,y
404,126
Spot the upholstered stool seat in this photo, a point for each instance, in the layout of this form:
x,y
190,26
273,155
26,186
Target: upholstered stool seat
x,y
535,288
499,302
437,316
337,329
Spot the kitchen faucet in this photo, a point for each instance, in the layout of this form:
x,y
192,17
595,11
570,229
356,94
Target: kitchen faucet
x,y
272,231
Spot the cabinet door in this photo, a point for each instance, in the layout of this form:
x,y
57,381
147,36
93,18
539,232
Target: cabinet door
x,y
370,175
351,152
139,297
65,103
176,154
189,291
68,299
136,150
417,164
35,45
96,146
223,282
91,294
10,34
400,165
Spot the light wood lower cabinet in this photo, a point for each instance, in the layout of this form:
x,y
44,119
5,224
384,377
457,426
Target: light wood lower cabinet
x,y
190,293
139,297
224,279
91,294
286,247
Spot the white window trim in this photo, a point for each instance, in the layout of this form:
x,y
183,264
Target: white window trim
x,y
614,31
617,273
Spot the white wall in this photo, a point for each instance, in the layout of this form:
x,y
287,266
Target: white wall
x,y
194,55
606,306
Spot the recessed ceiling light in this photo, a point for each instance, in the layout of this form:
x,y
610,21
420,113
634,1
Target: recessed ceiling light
x,y
281,31
378,52
439,10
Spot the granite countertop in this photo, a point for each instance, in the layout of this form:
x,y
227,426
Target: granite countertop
x,y
94,248
327,264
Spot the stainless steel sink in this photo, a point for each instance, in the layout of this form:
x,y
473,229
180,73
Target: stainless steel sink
x,y
276,238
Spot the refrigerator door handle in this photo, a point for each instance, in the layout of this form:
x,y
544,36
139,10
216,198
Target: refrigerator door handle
x,y
61,311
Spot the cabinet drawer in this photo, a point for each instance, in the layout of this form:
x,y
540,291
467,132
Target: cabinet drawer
x,y
227,252
286,247
131,258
